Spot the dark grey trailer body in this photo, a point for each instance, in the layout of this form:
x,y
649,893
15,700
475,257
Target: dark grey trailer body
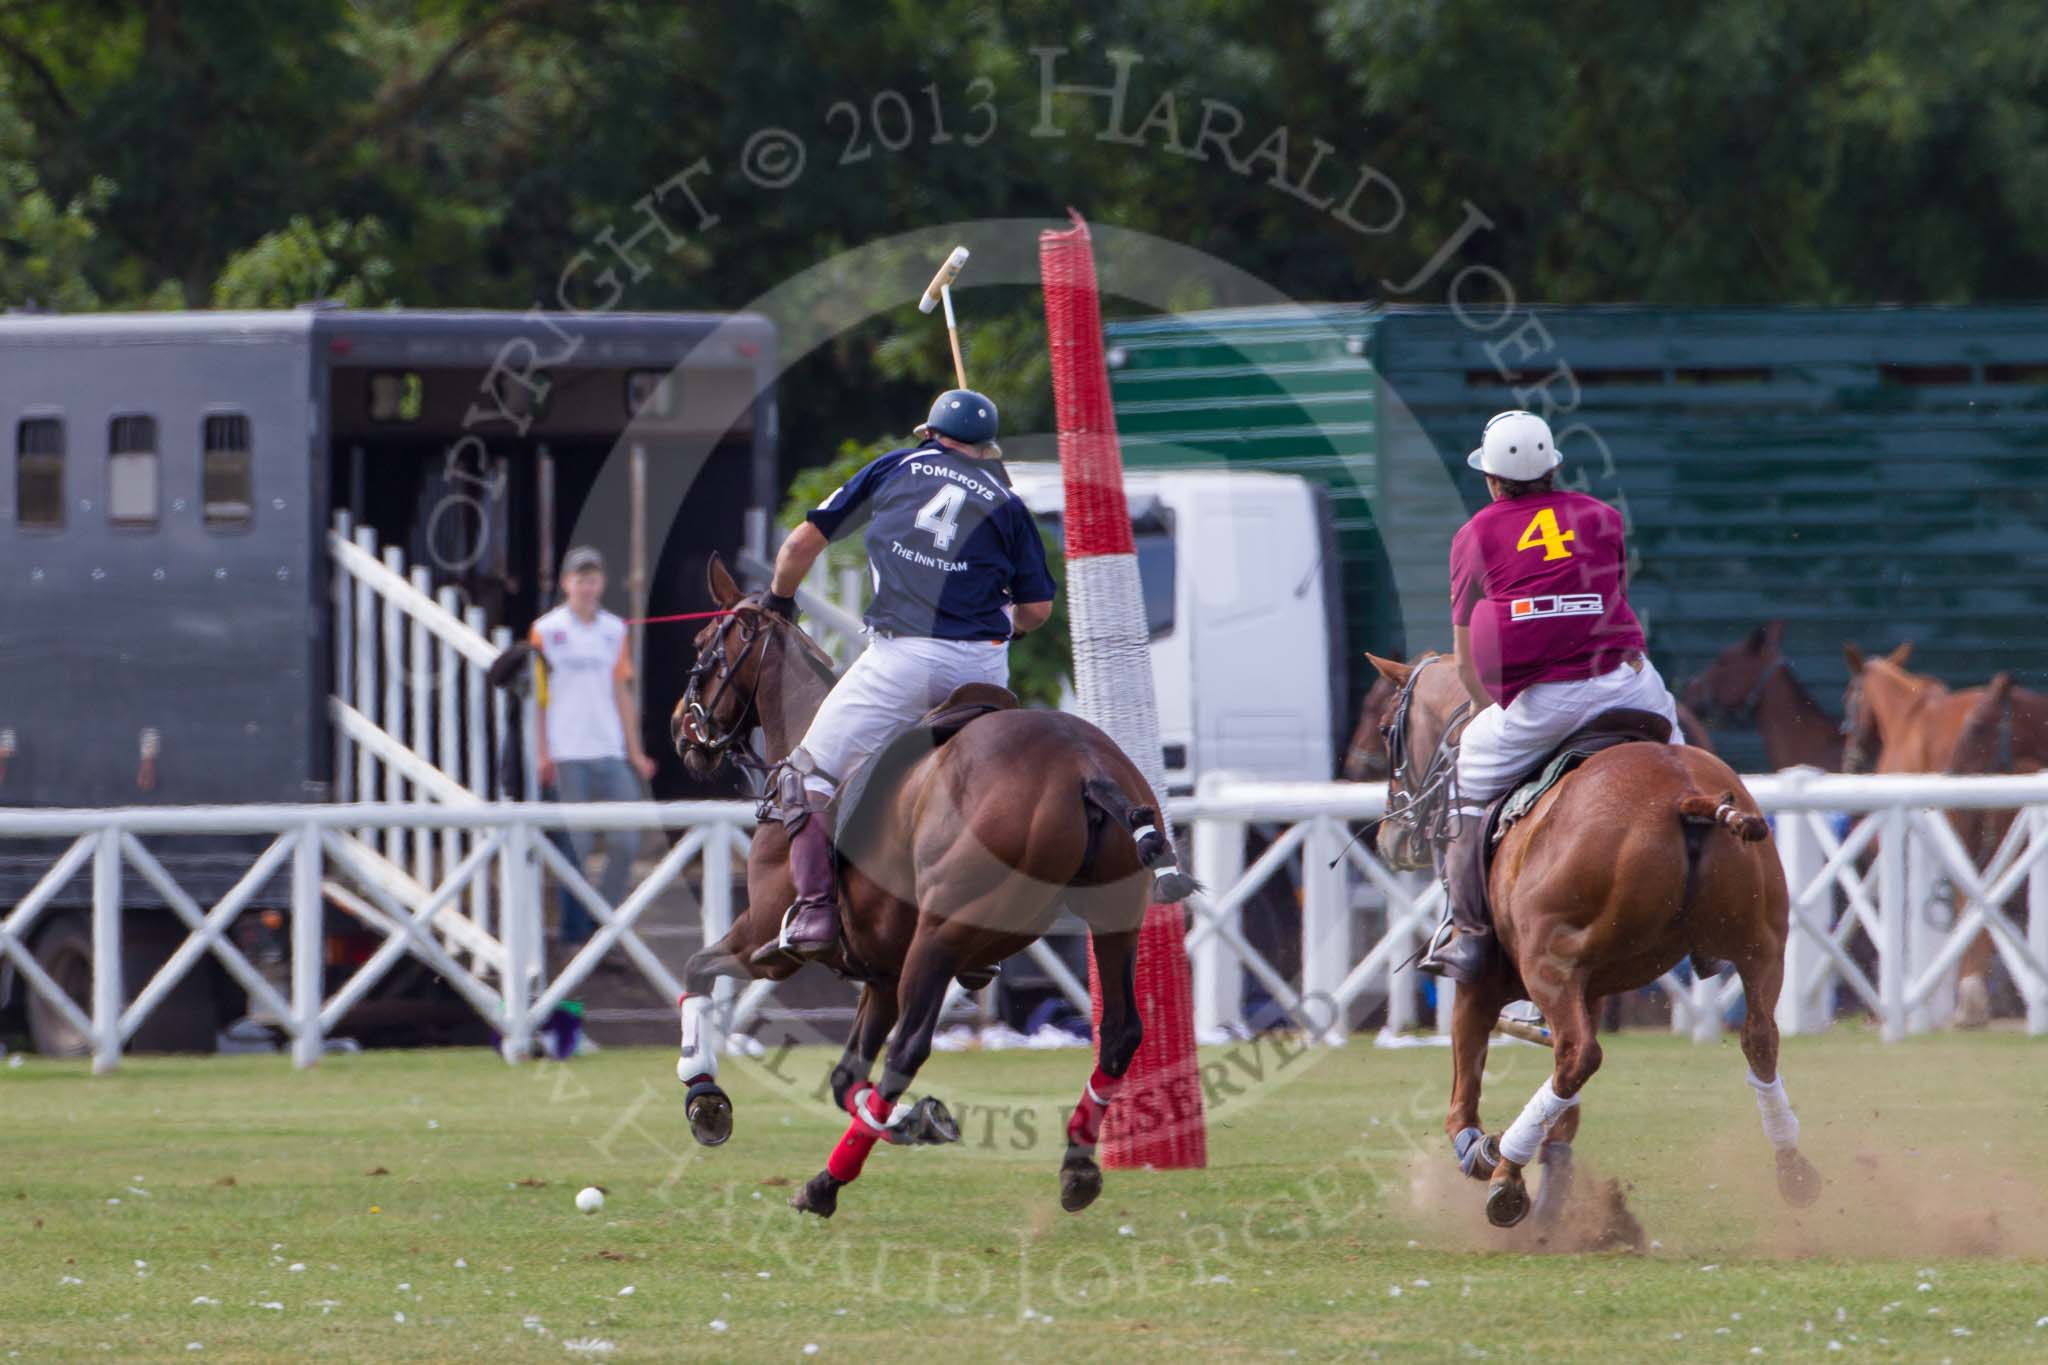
x,y
198,608
198,624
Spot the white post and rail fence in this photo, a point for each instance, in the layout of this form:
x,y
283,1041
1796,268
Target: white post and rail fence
x,y
1875,854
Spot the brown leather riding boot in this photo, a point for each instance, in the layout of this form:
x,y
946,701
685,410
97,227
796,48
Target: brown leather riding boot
x,y
813,929
1463,947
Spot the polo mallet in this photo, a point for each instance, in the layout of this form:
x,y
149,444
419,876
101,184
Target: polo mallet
x,y
940,291
1527,1032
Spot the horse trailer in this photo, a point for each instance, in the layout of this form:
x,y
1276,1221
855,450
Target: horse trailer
x,y
168,632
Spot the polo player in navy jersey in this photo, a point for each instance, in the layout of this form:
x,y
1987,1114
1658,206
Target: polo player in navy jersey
x,y
959,571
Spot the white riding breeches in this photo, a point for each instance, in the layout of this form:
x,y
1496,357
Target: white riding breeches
x,y
1501,744
893,683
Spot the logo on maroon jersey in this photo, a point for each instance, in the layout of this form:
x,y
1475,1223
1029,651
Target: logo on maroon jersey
x,y
1558,604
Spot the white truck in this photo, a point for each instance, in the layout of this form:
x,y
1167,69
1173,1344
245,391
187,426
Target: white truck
x,y
1237,574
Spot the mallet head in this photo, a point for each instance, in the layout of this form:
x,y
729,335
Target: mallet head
x,y
947,274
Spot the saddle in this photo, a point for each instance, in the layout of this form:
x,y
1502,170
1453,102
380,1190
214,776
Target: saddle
x,y
1622,725
854,804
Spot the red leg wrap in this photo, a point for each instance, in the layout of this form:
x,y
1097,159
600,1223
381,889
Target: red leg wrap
x,y
852,1152
861,1136
1086,1125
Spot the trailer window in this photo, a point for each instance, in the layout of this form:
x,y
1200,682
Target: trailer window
x,y
1152,538
131,472
225,478
650,394
397,396
39,474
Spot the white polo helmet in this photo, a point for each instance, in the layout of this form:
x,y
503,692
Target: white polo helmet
x,y
1517,445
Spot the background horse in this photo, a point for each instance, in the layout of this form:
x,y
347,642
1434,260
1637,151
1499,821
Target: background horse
x,y
2005,732
966,860
1645,853
1752,683
1901,722
1897,721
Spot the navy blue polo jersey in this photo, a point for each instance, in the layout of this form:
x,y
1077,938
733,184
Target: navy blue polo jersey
x,y
949,544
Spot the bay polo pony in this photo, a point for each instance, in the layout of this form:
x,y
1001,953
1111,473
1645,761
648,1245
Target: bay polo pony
x,y
961,860
1752,683
1644,854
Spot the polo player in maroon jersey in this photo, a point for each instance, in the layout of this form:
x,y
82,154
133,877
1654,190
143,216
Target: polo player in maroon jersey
x,y
1544,642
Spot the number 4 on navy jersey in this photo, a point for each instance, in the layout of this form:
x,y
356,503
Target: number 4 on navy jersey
x,y
941,516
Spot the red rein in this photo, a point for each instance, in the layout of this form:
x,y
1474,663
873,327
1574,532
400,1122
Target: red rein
x,y
686,616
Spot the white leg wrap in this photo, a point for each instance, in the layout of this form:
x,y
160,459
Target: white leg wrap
x,y
1781,1125
1524,1137
700,1048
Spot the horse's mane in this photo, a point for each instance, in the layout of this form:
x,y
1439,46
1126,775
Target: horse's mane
x,y
809,650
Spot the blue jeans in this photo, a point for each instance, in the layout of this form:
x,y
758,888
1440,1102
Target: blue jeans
x,y
598,779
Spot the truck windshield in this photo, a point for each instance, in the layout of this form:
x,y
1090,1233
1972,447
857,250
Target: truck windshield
x,y
1152,531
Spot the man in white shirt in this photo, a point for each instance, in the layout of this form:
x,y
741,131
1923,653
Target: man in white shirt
x,y
589,742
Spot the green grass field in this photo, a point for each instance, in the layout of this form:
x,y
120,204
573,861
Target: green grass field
x,y
420,1206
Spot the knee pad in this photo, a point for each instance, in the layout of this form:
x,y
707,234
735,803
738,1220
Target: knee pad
x,y
812,786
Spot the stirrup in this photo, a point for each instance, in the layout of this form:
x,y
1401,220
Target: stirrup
x,y
1458,957
777,950
1440,937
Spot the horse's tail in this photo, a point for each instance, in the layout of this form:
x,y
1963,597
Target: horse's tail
x,y
1106,800
1698,817
1705,812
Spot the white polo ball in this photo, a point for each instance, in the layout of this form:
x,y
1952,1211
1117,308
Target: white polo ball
x,y
589,1199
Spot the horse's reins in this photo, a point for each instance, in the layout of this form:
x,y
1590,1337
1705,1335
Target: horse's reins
x,y
1756,692
723,671
1424,807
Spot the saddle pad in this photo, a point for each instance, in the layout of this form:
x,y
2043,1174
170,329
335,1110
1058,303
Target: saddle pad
x,y
852,804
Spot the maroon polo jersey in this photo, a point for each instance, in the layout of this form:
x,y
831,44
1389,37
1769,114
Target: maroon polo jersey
x,y
1542,582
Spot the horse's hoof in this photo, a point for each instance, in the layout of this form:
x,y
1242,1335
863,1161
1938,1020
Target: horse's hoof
x,y
819,1195
1477,1152
710,1113
1973,1003
1172,887
1798,1180
1080,1184
931,1124
1507,1202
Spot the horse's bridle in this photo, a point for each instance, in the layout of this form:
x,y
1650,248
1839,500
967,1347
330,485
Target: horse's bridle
x,y
1854,757
1421,808
1744,711
722,671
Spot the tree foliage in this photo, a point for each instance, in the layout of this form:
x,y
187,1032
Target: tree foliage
x,y
343,262
1716,151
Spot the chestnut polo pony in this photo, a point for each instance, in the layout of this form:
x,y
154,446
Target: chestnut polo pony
x,y
1643,854
1902,722
963,862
